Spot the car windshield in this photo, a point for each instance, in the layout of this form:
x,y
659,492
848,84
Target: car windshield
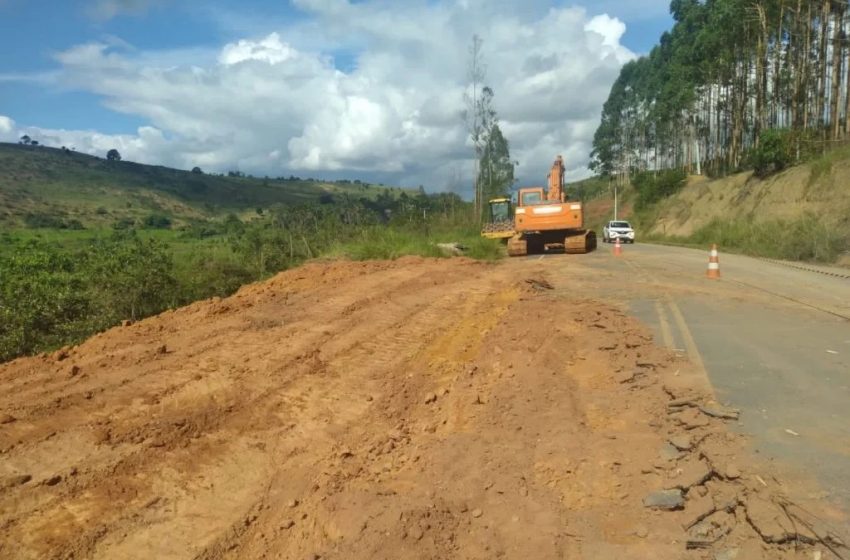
x,y
620,225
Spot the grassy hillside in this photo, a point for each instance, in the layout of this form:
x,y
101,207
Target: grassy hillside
x,y
86,243
39,183
802,213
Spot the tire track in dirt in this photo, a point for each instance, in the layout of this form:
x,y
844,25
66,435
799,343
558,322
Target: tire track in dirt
x,y
417,409
162,410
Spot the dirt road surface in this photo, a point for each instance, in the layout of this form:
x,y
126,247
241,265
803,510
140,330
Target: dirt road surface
x,y
415,409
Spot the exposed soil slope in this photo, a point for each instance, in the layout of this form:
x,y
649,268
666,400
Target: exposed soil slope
x,y
786,196
415,409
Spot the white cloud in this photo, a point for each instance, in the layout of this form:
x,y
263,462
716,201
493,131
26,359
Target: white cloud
x,y
276,104
7,128
270,50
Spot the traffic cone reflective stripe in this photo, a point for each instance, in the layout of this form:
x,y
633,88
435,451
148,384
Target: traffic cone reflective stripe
x,y
713,271
618,249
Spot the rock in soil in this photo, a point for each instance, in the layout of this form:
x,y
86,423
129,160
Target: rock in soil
x,y
690,473
16,480
669,452
710,530
665,499
682,443
717,411
697,509
769,520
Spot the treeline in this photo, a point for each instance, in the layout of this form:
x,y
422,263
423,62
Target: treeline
x,y
55,293
731,76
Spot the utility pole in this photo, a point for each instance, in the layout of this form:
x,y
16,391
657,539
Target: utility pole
x,y
615,200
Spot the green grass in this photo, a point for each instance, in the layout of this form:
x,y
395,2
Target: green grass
x,y
391,243
803,239
822,165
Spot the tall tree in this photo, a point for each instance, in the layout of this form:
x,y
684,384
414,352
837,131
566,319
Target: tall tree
x,y
478,114
726,73
497,168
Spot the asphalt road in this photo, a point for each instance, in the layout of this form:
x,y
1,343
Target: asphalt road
x,y
772,340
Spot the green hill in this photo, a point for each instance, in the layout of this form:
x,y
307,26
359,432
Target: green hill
x,y
49,187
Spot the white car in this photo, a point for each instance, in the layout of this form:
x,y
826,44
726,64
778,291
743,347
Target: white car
x,y
618,230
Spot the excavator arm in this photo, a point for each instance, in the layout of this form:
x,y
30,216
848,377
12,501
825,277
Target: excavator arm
x,y
556,181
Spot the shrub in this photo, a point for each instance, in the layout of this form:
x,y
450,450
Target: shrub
x,y
157,221
654,186
773,153
123,223
39,220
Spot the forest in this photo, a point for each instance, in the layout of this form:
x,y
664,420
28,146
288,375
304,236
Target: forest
x,y
735,84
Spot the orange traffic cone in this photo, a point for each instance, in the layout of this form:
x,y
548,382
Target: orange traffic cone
x,y
618,249
713,271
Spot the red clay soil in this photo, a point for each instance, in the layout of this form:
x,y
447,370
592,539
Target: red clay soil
x,y
420,408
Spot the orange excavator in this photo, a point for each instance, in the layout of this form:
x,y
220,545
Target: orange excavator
x,y
545,219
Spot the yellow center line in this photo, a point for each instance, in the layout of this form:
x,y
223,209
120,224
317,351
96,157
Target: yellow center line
x,y
690,343
666,333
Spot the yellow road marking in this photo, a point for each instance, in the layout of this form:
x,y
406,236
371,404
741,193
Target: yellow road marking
x,y
682,325
666,333
690,344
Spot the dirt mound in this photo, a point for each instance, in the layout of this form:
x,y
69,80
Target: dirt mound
x,y
418,408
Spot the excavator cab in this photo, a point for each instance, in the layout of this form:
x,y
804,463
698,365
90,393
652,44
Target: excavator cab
x,y
500,224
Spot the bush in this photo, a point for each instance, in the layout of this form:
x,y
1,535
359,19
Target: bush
x,y
38,220
51,296
654,186
773,153
123,224
42,300
157,221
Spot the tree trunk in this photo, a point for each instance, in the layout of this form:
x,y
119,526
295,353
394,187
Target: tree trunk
x,y
847,93
835,95
822,67
776,119
762,63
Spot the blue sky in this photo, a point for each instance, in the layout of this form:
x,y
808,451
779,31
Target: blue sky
x,y
50,83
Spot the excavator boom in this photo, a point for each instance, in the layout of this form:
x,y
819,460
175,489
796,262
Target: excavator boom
x,y
556,181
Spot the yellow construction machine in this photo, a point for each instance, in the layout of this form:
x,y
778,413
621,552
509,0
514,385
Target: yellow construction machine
x,y
501,220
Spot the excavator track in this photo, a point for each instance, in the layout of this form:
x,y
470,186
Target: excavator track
x,y
517,246
576,243
580,243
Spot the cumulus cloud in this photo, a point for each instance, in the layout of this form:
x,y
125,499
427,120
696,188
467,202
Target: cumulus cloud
x,y
7,128
277,103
